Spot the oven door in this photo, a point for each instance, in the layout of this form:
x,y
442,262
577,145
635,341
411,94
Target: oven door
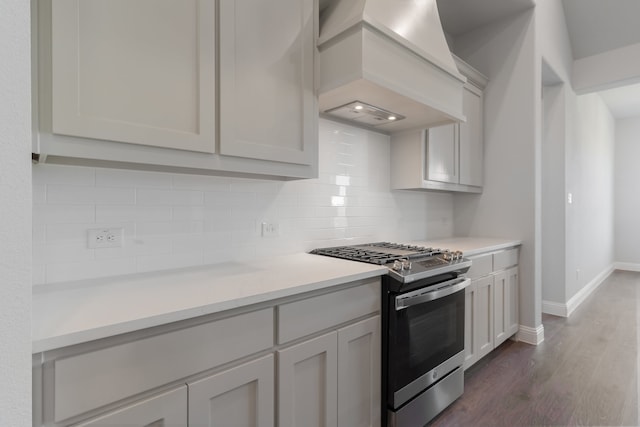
x,y
426,338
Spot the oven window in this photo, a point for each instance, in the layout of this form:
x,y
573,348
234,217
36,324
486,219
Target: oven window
x,y
423,336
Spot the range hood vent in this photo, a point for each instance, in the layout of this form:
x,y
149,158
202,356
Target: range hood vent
x,y
364,113
392,57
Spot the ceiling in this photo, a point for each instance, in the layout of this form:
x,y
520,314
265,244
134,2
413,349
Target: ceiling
x,y
594,26
461,16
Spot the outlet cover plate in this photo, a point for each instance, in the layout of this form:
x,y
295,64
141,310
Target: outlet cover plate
x,y
104,238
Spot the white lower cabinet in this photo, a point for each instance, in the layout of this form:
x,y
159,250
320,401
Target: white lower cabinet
x,y
491,304
222,372
478,332
307,379
506,303
359,374
165,410
238,397
470,347
484,316
332,380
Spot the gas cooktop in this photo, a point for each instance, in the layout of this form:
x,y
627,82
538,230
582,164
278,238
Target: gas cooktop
x,y
406,263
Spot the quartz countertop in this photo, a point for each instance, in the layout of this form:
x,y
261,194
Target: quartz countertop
x,y
72,313
470,246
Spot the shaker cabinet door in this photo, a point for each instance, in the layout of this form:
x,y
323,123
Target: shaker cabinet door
x,y
470,308
167,410
484,317
442,154
239,397
471,139
359,374
307,382
513,317
267,102
140,72
500,302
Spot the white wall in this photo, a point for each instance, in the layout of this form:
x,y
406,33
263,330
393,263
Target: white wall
x,y
173,220
627,193
556,61
504,52
577,157
15,214
553,245
590,180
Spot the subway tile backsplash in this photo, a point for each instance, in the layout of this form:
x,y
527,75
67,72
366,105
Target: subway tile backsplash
x,y
175,220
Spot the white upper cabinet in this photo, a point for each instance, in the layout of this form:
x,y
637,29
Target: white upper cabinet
x,y
470,139
139,71
447,157
267,104
442,154
197,86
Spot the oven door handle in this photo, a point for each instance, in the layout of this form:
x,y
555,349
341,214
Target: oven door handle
x,y
421,296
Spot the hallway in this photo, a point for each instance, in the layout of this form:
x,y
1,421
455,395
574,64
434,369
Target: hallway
x,y
584,373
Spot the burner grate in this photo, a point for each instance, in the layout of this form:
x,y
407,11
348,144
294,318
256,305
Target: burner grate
x,y
378,253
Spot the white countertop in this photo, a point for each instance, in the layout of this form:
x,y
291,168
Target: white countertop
x,y
87,310
470,246
73,313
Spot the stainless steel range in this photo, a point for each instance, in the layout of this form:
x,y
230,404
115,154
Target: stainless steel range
x,y
422,327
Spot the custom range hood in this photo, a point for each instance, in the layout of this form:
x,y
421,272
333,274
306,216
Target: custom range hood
x,y
386,64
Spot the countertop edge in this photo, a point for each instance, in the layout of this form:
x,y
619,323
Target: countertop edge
x,y
494,248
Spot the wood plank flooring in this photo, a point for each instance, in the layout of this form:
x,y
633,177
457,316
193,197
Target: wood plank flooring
x,y
584,373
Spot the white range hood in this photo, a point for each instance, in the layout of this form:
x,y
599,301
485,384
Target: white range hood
x,y
386,64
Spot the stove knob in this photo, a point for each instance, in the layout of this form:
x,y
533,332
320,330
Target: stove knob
x,y
446,256
397,265
459,254
406,264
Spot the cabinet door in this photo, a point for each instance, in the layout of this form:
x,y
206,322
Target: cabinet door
x,y
165,410
239,397
470,307
513,318
307,380
359,374
267,102
483,320
141,71
471,138
500,302
442,154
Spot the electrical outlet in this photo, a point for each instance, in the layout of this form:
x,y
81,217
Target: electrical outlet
x,y
270,229
104,238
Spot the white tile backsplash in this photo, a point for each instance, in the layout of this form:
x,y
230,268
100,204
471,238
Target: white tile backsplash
x,y
175,220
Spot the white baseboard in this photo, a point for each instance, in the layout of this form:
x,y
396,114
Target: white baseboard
x,y
583,293
627,266
554,308
533,336
565,310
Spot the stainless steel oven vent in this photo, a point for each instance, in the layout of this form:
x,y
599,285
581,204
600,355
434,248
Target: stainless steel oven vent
x,y
364,113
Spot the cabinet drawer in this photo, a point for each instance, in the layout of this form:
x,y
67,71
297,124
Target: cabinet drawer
x,y
482,265
90,380
305,317
505,259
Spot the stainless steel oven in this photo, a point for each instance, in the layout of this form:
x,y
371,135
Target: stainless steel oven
x,y
422,327
423,348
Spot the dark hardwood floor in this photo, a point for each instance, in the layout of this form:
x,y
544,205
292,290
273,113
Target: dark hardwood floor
x,y
584,373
